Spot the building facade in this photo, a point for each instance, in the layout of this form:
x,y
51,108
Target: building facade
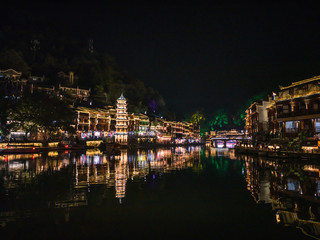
x,y
297,108
121,135
294,110
257,119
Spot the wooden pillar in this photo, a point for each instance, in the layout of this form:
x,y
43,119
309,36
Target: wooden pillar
x,y
293,104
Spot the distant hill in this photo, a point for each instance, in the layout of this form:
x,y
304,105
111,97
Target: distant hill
x,y
49,50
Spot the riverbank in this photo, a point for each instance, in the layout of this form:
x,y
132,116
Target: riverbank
x,y
37,147
271,153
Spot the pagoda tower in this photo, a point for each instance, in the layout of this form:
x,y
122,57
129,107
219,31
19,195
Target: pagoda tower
x,y
121,135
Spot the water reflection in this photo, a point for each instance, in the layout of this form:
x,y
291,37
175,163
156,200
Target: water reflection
x,y
73,182
24,176
114,171
43,180
292,189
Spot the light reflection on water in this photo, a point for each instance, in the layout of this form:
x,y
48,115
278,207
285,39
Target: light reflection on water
x,y
93,167
291,189
87,169
114,171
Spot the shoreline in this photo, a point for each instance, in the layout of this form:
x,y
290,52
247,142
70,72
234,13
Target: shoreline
x,y
277,153
29,147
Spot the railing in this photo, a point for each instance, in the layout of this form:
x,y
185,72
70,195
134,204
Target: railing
x,y
84,122
300,93
298,113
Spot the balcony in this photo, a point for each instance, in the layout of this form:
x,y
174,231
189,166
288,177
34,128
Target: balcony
x,y
297,94
302,112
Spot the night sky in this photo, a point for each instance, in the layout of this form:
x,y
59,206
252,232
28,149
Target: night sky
x,y
200,57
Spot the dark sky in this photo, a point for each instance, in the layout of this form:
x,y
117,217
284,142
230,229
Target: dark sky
x,y
201,57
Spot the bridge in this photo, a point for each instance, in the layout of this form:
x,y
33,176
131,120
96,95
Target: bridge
x,y
226,138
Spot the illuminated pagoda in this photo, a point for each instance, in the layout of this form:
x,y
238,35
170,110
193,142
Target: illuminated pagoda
x,y
121,135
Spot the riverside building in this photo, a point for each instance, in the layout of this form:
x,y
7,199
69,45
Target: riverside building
x,y
257,119
294,109
297,108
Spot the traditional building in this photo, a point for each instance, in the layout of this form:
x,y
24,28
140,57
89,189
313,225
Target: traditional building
x,y
141,123
121,135
77,93
297,109
43,88
10,74
257,119
109,122
68,79
95,122
158,126
11,83
36,79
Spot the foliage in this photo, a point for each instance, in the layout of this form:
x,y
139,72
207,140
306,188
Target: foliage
x,y
294,144
197,117
25,116
239,117
219,120
4,127
63,52
100,96
43,112
10,58
204,128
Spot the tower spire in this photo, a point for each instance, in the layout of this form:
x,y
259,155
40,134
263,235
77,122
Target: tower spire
x,y
121,135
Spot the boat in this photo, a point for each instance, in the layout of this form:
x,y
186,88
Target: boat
x,y
68,145
12,149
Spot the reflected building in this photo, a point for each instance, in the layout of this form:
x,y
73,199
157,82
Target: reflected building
x,y
20,168
86,172
121,175
292,190
115,171
20,173
258,182
222,152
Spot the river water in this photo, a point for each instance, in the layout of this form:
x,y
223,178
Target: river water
x,y
173,193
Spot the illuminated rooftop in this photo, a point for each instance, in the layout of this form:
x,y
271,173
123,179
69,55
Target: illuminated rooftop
x,y
294,84
122,97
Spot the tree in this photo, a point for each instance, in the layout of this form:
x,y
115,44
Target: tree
x,y
4,127
219,120
100,95
10,58
25,116
55,116
97,71
40,111
197,117
239,117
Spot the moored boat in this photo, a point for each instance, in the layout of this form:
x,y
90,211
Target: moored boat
x,y
12,149
68,145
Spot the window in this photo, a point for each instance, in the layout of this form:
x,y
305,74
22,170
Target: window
x,y
302,106
292,126
317,125
293,185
